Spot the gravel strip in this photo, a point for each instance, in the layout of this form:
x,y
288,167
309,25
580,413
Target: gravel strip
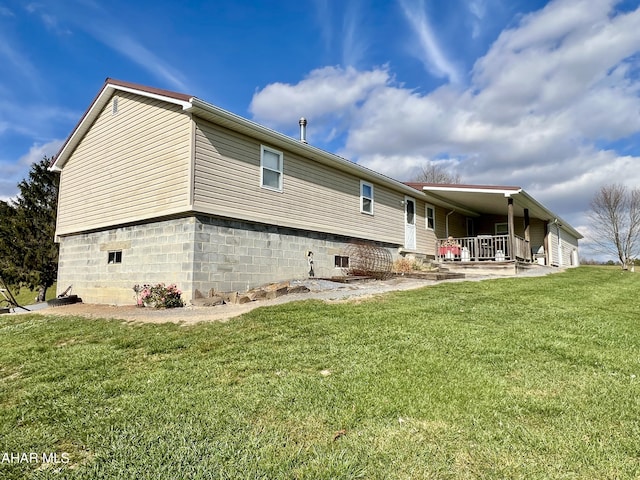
x,y
319,290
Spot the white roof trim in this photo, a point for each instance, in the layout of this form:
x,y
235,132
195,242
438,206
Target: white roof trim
x,y
507,192
155,96
478,189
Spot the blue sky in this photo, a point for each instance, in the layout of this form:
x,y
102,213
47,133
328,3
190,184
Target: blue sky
x,y
544,95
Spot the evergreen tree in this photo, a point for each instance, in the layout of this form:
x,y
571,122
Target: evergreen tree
x,y
7,238
28,252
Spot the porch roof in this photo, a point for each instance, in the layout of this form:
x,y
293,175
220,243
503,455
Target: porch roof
x,y
491,200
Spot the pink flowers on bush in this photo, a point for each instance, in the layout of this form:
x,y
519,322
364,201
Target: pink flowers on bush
x,y
158,296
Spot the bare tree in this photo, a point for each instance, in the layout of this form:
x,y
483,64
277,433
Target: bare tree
x,y
435,173
615,217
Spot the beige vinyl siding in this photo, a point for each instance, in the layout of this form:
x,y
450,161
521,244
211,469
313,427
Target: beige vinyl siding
x,y
314,197
425,239
457,224
130,166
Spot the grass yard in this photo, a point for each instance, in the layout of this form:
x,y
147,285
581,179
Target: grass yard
x,y
28,297
526,378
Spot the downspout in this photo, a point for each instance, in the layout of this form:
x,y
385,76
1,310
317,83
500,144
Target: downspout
x,y
559,242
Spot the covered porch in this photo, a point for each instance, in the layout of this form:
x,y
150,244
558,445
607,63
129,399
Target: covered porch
x,y
482,248
494,224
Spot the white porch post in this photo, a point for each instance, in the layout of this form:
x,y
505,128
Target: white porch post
x,y
511,227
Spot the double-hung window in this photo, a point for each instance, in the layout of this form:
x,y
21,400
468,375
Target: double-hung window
x,y
430,217
366,197
271,166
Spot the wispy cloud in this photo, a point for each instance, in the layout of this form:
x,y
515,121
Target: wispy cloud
x,y
17,63
478,10
431,53
352,39
135,51
354,42
104,27
5,12
323,14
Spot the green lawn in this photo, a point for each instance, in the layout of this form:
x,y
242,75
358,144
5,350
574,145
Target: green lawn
x,y
24,296
526,378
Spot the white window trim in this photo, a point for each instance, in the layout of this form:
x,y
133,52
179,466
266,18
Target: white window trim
x,y
426,217
342,257
262,168
112,257
362,197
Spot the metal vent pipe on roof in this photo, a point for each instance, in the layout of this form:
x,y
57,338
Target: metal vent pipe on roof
x,y
303,130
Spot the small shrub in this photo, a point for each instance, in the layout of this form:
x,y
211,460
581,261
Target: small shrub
x,y
158,296
404,265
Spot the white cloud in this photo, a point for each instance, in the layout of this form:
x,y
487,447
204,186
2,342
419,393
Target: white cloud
x,y
553,59
542,105
38,151
26,118
16,170
329,91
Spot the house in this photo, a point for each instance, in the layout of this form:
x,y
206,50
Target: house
x,y
498,223
158,186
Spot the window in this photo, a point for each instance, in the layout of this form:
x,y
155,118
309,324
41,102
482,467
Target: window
x,y
366,198
114,256
271,163
430,217
470,228
502,229
341,261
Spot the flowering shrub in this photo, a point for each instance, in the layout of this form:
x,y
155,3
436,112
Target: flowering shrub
x,y
158,296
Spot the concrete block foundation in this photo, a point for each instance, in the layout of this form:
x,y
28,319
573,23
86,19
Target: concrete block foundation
x,y
194,252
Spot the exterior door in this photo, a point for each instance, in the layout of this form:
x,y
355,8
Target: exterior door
x,y
409,223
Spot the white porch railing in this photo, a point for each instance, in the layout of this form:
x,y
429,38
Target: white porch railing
x,y
482,248
522,249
